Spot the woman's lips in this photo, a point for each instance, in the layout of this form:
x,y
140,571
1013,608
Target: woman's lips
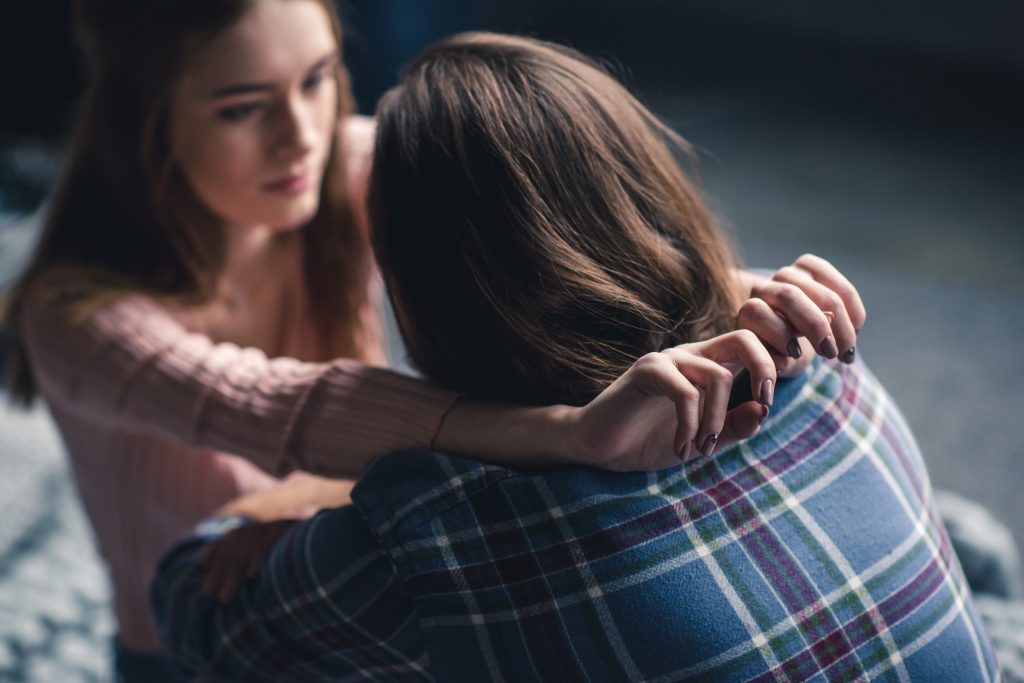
x,y
293,184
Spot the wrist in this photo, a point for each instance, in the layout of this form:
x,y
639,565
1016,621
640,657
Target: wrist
x,y
531,436
561,441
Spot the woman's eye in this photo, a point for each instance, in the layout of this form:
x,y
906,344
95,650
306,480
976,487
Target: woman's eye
x,y
238,112
314,81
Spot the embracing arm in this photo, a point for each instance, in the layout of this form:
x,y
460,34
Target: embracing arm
x,y
132,364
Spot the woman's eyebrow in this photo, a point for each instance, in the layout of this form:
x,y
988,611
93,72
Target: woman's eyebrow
x,y
245,88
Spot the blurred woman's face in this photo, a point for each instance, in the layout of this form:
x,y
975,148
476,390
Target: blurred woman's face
x,y
255,114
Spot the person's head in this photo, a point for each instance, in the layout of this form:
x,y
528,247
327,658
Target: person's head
x,y
535,231
251,119
200,117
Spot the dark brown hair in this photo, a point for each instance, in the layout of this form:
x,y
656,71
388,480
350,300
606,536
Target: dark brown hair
x,y
123,219
536,233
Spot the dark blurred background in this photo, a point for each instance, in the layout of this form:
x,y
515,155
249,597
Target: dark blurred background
x,y
884,136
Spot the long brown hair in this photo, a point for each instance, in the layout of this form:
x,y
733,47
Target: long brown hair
x,y
122,218
535,231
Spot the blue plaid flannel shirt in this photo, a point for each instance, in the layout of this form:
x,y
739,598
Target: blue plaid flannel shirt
x,y
811,552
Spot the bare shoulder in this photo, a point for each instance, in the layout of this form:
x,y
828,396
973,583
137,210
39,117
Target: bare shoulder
x,y
357,136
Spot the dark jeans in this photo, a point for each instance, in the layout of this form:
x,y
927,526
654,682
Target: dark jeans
x,y
144,667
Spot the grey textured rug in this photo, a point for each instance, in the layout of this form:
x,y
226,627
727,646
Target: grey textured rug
x,y
55,617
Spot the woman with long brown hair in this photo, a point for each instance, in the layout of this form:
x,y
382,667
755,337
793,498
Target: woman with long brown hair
x,y
204,287
522,200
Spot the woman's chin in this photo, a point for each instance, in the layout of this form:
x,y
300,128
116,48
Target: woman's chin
x,y
296,217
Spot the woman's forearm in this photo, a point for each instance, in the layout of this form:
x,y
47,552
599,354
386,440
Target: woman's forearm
x,y
132,366
529,436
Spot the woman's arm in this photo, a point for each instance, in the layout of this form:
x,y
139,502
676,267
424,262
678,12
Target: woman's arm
x,y
133,365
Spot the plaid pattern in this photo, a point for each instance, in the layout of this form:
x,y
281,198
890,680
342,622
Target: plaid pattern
x,y
811,552
327,607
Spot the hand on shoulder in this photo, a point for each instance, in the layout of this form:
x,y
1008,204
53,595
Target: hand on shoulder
x,y
802,309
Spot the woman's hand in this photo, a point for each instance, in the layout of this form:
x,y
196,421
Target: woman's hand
x,y
298,496
631,426
239,555
803,309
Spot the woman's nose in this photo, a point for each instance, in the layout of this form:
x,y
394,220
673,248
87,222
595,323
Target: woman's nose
x,y
295,133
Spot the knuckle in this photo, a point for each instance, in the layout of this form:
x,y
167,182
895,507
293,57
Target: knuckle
x,y
746,337
751,309
832,302
790,294
688,392
649,361
788,273
809,259
748,306
721,376
755,306
845,290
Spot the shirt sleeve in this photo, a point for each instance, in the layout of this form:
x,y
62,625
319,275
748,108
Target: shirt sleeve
x,y
133,365
327,606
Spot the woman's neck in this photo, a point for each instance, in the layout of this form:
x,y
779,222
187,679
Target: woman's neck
x,y
253,261
257,288
246,248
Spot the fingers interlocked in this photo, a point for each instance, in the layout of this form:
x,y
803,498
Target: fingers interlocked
x,y
698,379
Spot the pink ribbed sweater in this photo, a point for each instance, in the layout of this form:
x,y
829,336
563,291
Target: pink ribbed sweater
x,y
150,407
149,410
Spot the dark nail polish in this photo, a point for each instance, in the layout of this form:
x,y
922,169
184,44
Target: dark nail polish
x,y
767,392
828,348
709,444
850,353
793,348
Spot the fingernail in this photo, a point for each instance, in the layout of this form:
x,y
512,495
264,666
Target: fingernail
x,y
684,454
830,316
828,348
764,413
767,392
709,444
850,353
793,348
